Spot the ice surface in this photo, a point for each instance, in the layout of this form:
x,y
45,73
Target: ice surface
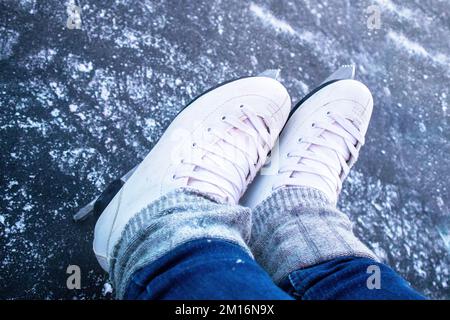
x,y
80,108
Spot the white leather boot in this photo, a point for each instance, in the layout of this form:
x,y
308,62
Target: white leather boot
x,y
320,142
215,146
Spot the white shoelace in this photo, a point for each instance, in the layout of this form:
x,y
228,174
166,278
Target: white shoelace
x,y
225,166
325,154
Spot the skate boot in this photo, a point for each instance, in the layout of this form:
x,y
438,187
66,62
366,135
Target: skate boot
x,y
321,140
215,146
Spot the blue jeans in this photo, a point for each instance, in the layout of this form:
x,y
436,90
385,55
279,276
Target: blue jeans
x,y
216,269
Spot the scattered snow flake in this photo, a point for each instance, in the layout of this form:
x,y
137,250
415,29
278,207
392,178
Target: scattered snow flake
x,y
269,19
73,108
422,127
104,93
85,67
55,113
150,122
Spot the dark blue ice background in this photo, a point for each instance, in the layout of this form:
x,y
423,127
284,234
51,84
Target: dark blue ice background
x,y
81,107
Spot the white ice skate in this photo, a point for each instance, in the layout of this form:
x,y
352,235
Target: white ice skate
x,y
215,145
321,140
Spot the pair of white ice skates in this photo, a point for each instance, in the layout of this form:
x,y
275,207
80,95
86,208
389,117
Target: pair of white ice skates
x,y
220,141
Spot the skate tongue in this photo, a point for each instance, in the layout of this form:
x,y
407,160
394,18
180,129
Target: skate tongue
x,y
232,182
327,173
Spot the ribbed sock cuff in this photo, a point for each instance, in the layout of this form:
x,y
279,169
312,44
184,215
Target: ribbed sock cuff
x,y
180,216
297,227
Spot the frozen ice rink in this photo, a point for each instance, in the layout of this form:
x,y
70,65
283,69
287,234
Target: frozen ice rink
x,y
79,108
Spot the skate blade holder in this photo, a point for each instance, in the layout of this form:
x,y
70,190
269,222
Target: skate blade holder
x,y
96,206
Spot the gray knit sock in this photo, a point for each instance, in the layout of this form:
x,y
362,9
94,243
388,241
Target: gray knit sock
x,y
297,227
176,218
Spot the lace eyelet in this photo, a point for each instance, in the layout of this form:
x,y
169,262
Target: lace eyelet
x,y
174,177
194,144
299,140
241,106
313,125
328,113
223,118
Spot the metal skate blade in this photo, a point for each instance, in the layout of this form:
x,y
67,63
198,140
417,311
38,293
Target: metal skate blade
x,y
88,209
85,212
344,72
271,73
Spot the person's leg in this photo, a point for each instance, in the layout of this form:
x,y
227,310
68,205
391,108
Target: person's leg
x,y
297,231
187,189
309,249
349,278
204,269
